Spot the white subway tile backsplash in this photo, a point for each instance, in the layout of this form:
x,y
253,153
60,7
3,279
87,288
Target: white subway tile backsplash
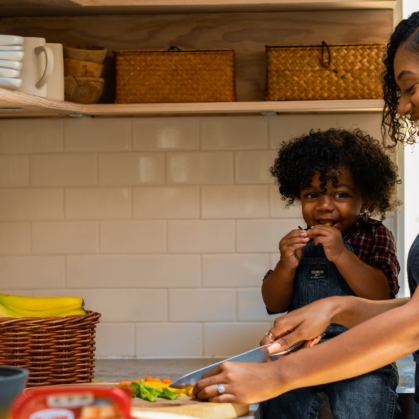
x,y
65,237
211,236
279,209
131,169
207,168
262,235
235,270
115,339
133,236
234,133
284,127
166,202
252,167
235,201
31,136
228,339
25,204
370,123
64,170
166,133
274,257
31,272
123,305
15,238
202,305
133,271
27,292
98,134
250,306
14,170
97,203
168,340
166,226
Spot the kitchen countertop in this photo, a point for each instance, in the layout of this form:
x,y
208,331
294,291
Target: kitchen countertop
x,y
115,370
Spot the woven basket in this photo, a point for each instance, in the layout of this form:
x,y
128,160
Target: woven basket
x,y
55,350
175,76
320,72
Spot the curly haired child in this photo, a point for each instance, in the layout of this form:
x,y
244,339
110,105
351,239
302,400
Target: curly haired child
x,y
341,178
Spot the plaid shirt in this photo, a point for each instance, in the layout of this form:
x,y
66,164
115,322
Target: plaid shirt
x,y
374,244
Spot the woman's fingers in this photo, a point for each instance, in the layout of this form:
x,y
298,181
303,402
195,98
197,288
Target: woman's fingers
x,y
225,383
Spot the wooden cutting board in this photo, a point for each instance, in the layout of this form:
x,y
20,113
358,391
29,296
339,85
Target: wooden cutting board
x,y
190,407
182,406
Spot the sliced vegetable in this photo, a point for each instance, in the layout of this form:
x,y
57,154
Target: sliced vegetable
x,y
167,394
147,393
151,388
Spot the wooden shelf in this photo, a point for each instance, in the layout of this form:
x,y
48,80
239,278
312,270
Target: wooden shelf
x,y
20,105
86,7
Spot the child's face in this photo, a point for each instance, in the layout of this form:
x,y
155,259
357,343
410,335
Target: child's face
x,y
338,207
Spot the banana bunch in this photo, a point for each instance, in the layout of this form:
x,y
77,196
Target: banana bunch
x,y
18,306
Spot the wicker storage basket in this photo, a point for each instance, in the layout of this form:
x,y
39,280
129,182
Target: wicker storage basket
x,y
55,350
175,76
316,72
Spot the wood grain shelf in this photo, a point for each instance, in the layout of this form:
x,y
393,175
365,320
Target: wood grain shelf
x,y
20,105
86,7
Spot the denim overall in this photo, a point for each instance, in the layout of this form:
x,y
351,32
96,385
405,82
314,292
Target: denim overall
x,y
369,396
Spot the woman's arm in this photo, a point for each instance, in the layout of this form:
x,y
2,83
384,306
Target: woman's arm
x,y
370,345
310,321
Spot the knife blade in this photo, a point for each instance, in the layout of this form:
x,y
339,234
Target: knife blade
x,y
259,354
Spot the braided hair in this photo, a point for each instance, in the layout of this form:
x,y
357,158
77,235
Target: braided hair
x,y
406,34
374,173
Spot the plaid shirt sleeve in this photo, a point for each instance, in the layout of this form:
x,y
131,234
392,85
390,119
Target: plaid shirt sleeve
x,y
383,256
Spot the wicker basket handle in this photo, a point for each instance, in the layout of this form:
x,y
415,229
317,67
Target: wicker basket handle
x,y
322,58
172,48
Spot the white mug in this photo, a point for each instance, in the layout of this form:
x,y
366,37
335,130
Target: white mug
x,y
37,66
55,84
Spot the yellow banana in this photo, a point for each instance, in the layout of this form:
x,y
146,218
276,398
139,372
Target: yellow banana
x,y
6,312
40,303
19,312
64,313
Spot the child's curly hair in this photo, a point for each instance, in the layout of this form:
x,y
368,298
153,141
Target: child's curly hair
x,y
326,151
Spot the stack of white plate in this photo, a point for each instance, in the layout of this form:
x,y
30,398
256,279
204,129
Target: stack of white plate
x,y
11,54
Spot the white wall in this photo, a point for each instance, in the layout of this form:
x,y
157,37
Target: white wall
x,y
408,161
166,226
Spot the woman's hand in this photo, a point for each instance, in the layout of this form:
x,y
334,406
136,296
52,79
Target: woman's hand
x,y
244,382
306,323
290,248
331,240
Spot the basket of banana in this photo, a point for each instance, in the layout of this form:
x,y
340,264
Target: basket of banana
x,y
52,337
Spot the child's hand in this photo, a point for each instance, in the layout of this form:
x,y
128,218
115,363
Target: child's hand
x,y
290,247
330,238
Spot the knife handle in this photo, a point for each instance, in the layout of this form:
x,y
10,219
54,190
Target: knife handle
x,y
290,349
293,347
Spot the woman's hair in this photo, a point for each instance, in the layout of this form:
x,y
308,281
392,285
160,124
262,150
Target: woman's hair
x,y
373,172
406,34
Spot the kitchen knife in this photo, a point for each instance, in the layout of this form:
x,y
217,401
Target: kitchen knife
x,y
259,354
